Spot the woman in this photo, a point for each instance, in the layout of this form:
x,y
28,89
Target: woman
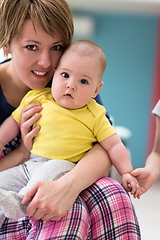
x,y
36,33
151,172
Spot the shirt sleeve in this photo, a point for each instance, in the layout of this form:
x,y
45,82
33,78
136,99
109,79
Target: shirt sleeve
x,y
99,100
156,110
33,96
102,128
17,113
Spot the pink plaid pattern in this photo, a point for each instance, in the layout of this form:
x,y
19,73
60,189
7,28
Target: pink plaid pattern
x,y
111,211
106,214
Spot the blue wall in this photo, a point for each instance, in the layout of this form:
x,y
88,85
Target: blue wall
x,y
129,44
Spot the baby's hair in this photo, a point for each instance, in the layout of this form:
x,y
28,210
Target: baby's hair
x,y
88,48
53,16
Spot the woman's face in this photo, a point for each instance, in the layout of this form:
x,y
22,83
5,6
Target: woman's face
x,y
35,55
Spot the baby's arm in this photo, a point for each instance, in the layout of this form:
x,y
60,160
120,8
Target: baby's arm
x,y
8,130
120,159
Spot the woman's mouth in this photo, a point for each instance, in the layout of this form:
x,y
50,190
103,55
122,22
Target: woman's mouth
x,y
39,73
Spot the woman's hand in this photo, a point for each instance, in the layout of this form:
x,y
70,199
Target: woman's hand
x,y
50,200
145,178
30,115
22,153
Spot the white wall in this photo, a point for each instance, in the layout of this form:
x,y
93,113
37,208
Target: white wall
x,y
1,55
125,6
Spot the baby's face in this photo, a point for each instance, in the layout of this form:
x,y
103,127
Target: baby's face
x,y
76,80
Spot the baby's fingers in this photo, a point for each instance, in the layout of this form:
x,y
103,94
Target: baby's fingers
x,y
127,187
136,191
137,194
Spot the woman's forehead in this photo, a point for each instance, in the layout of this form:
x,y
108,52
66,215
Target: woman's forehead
x,y
33,31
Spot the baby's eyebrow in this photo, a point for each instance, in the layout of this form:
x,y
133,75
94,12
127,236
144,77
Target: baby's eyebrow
x,y
63,69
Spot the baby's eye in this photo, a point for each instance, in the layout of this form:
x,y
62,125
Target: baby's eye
x,y
65,75
31,47
84,81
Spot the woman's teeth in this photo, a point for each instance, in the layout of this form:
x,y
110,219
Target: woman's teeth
x,y
40,73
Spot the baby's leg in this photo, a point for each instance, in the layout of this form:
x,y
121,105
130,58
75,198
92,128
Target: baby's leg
x,y
49,171
10,202
2,218
12,179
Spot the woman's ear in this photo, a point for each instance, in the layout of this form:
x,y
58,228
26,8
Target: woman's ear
x,y
6,49
97,89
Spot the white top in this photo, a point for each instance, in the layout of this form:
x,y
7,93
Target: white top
x,y
156,110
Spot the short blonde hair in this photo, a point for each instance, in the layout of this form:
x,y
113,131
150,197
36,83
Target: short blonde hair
x,y
53,16
88,48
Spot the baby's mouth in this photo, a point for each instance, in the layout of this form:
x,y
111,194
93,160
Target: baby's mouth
x,y
68,95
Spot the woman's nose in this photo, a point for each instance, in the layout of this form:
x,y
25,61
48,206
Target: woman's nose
x,y
44,60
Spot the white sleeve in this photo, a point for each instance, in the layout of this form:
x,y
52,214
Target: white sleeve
x,y
156,110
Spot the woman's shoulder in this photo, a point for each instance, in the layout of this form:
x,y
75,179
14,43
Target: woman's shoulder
x,y
3,70
5,108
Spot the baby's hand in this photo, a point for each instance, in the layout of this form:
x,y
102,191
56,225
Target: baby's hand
x,y
131,185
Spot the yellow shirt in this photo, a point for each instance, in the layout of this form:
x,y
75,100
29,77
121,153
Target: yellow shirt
x,y
65,134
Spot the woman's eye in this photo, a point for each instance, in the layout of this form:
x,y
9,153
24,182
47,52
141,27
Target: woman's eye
x,y
57,47
65,75
84,81
31,47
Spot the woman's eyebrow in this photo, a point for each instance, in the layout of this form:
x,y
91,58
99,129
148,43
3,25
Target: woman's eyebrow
x,y
32,41
37,42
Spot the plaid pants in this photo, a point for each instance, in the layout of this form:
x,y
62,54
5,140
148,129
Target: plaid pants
x,y
103,211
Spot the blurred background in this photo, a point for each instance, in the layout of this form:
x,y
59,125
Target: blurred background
x,y
128,31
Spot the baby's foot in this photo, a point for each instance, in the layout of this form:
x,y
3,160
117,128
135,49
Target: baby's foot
x,y
2,218
10,204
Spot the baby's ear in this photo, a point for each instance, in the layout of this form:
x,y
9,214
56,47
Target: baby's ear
x,y
97,89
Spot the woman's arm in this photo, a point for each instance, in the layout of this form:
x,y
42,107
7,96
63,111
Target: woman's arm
x,y
8,130
22,153
153,161
61,194
151,172
14,158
